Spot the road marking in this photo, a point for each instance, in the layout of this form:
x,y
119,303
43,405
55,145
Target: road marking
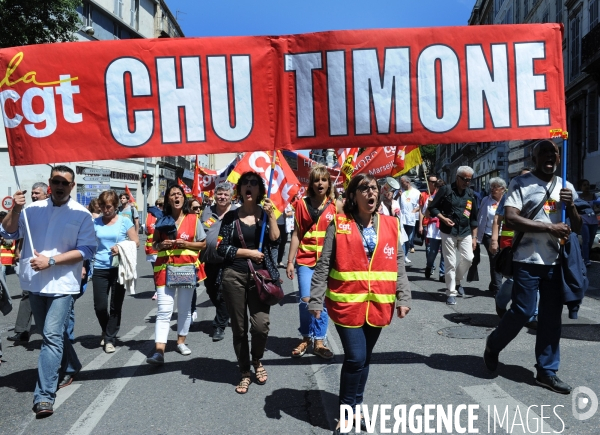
x,y
150,314
86,423
494,397
63,394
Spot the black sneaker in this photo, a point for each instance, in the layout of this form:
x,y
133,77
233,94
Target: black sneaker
x,y
427,272
218,334
19,337
554,384
532,325
442,278
490,358
43,409
500,311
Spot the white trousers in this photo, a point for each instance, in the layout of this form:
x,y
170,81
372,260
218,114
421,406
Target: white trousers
x,y
166,302
458,256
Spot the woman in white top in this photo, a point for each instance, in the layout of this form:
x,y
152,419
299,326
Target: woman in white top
x,y
485,221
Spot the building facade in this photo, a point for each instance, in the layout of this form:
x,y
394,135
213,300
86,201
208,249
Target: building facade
x,y
109,20
581,56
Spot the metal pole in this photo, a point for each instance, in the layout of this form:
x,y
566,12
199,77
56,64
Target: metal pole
x,y
145,191
564,177
264,225
24,215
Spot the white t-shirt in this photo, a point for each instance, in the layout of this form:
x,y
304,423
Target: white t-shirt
x,y
491,212
433,231
525,193
409,200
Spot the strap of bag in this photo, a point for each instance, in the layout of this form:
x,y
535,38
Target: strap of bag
x,y
241,236
518,237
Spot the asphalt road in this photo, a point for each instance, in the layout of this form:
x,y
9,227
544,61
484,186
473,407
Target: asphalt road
x,y
432,357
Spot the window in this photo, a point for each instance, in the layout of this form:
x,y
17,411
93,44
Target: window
x,y
559,11
592,122
593,9
119,8
497,6
546,15
575,33
525,9
517,11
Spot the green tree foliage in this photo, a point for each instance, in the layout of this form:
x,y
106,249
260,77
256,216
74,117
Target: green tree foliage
x,y
428,155
26,22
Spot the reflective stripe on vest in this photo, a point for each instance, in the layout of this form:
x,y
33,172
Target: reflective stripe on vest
x,y
359,290
313,234
507,233
150,222
7,255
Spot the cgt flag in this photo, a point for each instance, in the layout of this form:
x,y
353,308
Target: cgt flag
x,y
378,162
285,184
185,187
131,199
407,158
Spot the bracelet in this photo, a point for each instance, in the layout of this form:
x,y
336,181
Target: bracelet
x,y
290,261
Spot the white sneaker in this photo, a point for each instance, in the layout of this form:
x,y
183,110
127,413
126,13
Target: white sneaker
x,y
183,349
194,316
109,348
407,260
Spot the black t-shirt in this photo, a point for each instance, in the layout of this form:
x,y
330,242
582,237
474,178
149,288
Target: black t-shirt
x,y
251,235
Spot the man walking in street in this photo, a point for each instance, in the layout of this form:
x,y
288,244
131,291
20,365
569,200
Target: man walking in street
x,y
211,218
39,192
129,212
536,263
62,235
431,230
456,208
409,207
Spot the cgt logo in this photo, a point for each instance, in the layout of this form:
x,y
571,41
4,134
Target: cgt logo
x,y
388,251
38,104
389,151
185,236
584,407
344,227
329,217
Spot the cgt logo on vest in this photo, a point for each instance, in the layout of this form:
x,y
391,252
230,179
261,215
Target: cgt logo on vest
x,y
329,217
344,227
185,236
389,251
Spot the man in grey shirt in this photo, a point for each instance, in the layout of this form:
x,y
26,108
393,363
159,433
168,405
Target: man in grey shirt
x,y
536,264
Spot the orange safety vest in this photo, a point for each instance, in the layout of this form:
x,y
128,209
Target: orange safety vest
x,y
313,234
179,256
7,254
150,223
360,291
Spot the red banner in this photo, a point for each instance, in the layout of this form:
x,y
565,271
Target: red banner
x,y
378,162
369,88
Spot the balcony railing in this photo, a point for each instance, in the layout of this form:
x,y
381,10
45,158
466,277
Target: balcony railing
x,y
590,50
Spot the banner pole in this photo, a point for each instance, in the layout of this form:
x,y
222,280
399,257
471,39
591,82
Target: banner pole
x,y
24,214
564,177
425,172
264,225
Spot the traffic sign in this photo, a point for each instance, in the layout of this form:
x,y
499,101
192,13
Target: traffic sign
x,y
7,203
96,171
94,186
96,178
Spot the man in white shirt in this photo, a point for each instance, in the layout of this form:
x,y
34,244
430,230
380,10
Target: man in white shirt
x,y
62,234
536,264
129,212
409,207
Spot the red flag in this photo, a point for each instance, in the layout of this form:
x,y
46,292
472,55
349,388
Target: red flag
x,y
344,153
131,198
285,184
185,187
407,157
378,162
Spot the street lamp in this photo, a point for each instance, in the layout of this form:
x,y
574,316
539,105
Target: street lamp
x,y
88,30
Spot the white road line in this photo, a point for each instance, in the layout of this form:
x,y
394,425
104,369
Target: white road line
x,y
151,313
63,394
102,358
86,423
494,397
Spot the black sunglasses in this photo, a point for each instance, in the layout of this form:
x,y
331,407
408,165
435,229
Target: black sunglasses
x,y
252,182
196,208
57,182
466,180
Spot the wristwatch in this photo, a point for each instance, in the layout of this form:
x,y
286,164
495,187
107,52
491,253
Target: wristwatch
x,y
51,261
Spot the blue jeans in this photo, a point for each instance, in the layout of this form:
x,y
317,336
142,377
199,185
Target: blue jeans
x,y
309,325
410,233
57,355
432,248
588,232
358,346
528,279
505,293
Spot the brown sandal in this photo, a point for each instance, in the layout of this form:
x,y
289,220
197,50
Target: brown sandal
x,y
301,349
260,372
321,350
242,387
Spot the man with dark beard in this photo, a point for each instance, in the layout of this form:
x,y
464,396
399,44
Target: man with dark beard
x,y
536,263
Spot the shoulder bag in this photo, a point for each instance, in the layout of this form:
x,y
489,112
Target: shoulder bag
x,y
504,262
269,291
181,276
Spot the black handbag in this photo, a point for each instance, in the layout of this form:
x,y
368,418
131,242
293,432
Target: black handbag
x,y
504,261
418,239
269,291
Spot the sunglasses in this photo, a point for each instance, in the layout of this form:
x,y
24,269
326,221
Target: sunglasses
x,y
466,180
196,208
57,182
364,188
253,182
